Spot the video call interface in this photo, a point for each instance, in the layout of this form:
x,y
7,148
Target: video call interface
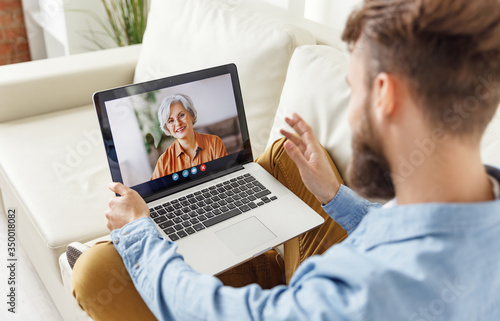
x,y
175,134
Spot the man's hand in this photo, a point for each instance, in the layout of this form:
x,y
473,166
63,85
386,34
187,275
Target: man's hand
x,y
125,209
309,156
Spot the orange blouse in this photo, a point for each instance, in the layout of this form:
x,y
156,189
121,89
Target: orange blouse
x,y
175,159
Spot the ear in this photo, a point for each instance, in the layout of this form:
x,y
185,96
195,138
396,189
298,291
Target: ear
x,y
384,97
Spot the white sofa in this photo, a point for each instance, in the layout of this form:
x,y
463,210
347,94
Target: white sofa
x,y
52,166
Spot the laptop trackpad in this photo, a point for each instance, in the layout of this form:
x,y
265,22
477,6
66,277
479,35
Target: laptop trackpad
x,y
245,235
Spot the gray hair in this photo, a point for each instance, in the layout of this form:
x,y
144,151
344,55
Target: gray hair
x,y
164,110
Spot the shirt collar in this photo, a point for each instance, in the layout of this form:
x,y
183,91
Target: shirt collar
x,y
200,145
390,224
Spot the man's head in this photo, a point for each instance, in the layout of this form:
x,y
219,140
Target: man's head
x,y
418,66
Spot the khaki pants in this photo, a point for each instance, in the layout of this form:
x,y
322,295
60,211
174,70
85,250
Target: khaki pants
x,y
103,288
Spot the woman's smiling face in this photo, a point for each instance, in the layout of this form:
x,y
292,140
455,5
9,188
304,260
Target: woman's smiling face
x,y
180,121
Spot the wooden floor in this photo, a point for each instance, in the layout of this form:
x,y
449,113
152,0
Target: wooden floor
x,y
33,301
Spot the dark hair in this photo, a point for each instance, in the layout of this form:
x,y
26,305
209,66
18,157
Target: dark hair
x,y
448,50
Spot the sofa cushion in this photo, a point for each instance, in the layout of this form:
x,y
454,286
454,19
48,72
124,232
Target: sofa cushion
x,y
188,35
316,89
57,168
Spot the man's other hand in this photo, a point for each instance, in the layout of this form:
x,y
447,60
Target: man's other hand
x,y
310,157
125,208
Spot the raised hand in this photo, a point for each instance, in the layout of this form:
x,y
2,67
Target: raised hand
x,y
309,156
124,209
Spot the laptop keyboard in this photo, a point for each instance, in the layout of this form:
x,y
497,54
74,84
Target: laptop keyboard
x,y
202,209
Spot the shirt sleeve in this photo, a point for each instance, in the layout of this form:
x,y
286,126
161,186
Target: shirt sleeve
x,y
348,209
174,291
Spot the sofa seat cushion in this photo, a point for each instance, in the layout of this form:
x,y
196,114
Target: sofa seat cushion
x,y
188,35
56,165
316,90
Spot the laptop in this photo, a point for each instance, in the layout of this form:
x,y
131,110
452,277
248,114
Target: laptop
x,y
219,206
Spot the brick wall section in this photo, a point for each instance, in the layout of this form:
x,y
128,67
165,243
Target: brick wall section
x,y
13,39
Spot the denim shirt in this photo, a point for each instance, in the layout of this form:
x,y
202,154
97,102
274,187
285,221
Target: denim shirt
x,y
434,261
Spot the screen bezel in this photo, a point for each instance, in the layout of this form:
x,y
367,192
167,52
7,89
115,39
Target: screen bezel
x,y
164,186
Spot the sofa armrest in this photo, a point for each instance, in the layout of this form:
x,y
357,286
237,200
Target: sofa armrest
x,y
42,86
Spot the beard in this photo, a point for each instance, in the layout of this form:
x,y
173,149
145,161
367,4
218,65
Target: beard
x,y
369,172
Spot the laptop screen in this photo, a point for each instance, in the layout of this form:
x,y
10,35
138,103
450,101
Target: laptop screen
x,y
168,134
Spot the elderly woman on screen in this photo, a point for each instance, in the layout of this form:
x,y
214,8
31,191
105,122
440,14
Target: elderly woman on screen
x,y
177,116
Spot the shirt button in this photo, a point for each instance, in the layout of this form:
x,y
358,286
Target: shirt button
x,y
136,265
125,233
117,241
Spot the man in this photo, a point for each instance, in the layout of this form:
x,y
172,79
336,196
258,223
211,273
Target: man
x,y
417,74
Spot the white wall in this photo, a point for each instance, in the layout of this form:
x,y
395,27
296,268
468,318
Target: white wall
x,y
45,28
61,27
55,27
79,23
332,13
